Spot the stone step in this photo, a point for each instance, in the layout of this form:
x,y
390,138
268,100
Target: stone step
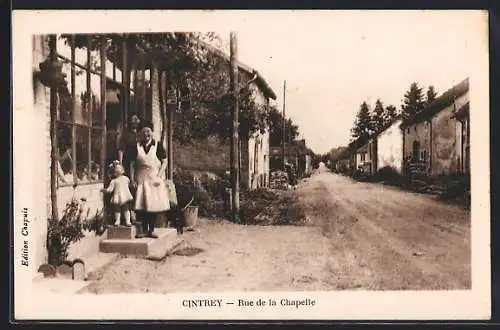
x,y
121,232
167,237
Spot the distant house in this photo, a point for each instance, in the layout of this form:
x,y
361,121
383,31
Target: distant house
x,y
437,138
390,147
365,156
296,154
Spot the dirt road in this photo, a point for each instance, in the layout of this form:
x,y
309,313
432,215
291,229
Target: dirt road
x,y
384,238
359,236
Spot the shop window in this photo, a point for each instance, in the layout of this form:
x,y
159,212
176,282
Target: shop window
x,y
80,129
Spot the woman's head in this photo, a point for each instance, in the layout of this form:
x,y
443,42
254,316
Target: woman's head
x,y
135,121
147,131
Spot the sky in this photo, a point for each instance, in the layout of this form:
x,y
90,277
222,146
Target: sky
x,y
333,61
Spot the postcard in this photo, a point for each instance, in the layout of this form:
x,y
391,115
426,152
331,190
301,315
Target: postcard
x,y
251,165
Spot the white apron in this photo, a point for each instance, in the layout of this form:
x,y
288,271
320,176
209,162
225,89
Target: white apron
x,y
152,193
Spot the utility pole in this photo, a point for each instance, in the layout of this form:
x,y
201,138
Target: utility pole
x,y
235,184
284,127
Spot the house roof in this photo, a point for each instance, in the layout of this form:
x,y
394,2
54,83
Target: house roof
x,y
462,112
261,82
389,124
445,100
363,148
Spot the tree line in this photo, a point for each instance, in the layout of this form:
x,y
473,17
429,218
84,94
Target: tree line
x,y
370,121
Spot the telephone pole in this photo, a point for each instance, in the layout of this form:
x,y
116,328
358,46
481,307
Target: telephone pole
x,y
235,184
284,127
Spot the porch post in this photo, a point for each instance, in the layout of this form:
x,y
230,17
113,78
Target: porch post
x,y
89,108
73,110
125,81
54,154
102,55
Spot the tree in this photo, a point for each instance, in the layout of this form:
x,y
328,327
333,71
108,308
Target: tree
x,y
275,121
413,101
390,114
363,124
430,96
377,116
252,117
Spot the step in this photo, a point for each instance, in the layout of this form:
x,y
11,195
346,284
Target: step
x,y
142,246
121,232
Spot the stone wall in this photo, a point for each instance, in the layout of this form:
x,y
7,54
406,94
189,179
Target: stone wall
x,y
438,140
445,158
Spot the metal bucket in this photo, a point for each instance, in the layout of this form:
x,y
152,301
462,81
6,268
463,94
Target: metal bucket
x,y
191,216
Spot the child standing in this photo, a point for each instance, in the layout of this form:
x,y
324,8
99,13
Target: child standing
x,y
121,196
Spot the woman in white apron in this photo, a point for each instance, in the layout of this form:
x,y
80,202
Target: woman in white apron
x,y
149,161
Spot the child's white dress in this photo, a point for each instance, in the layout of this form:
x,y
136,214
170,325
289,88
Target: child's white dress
x,y
119,188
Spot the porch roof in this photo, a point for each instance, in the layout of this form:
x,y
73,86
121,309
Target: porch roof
x,y
158,55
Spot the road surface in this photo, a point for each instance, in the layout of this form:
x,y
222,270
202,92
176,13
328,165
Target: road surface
x,y
384,238
360,236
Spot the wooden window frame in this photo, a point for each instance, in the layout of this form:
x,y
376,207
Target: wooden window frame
x,y
89,125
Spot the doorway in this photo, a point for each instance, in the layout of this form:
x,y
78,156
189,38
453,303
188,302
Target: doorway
x,y
416,152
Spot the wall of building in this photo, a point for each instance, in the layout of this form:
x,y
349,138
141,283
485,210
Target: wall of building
x,y
445,156
258,168
390,148
308,167
439,150
39,130
209,155
419,132
255,172
38,120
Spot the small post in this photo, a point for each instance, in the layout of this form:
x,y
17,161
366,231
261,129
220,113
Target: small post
x,y
234,130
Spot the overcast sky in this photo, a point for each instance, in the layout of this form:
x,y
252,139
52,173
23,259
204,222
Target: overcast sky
x,y
333,61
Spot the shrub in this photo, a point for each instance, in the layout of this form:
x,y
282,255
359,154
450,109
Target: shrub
x,y
389,175
70,229
208,191
457,188
271,207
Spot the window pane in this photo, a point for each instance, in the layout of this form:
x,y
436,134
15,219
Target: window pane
x,y
64,143
95,154
65,106
82,154
95,83
81,99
